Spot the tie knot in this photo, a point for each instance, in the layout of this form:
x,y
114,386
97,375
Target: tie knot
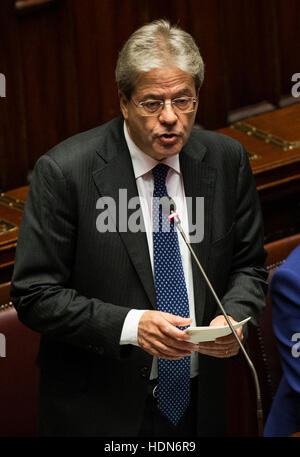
x,y
159,174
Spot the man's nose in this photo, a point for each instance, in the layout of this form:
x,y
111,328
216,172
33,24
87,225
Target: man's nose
x,y
168,115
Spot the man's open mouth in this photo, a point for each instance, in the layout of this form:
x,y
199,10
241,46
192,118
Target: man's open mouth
x,y
169,135
168,139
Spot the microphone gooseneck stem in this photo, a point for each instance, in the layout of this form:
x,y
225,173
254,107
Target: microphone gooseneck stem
x,y
259,410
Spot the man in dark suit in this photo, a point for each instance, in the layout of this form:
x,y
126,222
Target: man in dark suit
x,y
86,279
284,416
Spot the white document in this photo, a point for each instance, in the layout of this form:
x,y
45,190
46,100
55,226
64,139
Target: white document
x,y
200,334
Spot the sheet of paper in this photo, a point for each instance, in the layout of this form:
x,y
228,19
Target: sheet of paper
x,y
200,334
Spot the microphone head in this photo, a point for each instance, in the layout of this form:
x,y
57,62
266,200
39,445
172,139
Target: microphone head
x,y
167,204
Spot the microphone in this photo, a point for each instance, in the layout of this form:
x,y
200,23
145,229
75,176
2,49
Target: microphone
x,y
169,208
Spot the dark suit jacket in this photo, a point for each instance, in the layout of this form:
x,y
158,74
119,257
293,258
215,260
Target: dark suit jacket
x,y
284,416
75,285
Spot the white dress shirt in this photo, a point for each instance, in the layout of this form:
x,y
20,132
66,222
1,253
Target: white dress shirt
x,y
142,166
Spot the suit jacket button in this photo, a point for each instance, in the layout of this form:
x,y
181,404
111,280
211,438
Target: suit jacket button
x,y
144,372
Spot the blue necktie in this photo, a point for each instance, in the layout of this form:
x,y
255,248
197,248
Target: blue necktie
x,y
171,294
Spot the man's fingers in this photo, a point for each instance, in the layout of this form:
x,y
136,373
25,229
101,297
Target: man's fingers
x,y
230,338
219,350
177,320
158,335
165,323
223,347
160,348
168,352
174,322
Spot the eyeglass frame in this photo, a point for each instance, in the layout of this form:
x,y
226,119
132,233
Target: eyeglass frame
x,y
163,103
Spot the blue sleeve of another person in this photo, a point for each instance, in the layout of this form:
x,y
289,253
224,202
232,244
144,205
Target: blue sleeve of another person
x,y
284,416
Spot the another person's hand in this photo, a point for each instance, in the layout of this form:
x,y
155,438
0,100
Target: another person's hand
x,y
159,336
225,346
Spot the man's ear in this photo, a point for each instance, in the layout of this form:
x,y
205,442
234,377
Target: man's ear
x,y
124,104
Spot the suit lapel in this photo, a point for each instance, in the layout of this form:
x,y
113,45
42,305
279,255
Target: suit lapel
x,y
117,174
199,181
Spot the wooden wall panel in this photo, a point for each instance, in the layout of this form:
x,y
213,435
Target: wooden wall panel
x,y
13,129
205,26
288,20
250,52
94,30
49,78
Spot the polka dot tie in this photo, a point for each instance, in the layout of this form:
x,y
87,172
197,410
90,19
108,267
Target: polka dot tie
x,y
171,294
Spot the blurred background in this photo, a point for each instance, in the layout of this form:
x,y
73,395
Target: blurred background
x,y
59,57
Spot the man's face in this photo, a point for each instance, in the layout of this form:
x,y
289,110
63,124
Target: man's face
x,y
162,135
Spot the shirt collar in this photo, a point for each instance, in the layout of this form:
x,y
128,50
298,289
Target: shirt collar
x,y
143,163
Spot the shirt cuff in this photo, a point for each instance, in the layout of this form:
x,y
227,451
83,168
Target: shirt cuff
x,y
129,333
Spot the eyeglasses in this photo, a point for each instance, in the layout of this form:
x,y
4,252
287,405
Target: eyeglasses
x,y
181,105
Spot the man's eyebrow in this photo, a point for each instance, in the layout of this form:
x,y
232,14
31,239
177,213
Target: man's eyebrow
x,y
181,92
151,96
186,91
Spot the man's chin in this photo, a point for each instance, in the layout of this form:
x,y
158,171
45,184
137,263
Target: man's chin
x,y
162,152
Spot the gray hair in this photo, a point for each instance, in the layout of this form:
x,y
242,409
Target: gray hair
x,y
155,45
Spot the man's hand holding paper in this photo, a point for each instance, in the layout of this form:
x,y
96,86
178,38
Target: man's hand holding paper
x,y
224,346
